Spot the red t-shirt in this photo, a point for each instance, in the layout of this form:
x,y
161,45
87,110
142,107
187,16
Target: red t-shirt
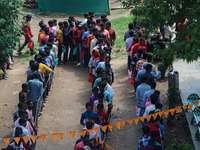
x,y
135,49
103,117
154,128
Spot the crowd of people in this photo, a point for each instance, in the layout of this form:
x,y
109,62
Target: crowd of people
x,y
89,43
143,73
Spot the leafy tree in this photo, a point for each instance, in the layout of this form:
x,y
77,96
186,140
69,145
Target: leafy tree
x,y
167,12
9,27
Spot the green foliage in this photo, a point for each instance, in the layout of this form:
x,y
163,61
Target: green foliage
x,y
155,12
183,146
173,96
121,26
9,27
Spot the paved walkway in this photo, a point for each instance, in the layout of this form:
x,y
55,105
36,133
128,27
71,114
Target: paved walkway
x,y
189,77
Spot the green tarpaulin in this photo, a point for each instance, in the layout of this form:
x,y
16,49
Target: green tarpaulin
x,y
74,6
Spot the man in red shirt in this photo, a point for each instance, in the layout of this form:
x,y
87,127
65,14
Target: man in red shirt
x,y
141,43
27,34
154,126
77,35
103,117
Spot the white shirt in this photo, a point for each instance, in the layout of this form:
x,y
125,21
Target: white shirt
x,y
54,30
55,50
92,64
92,45
85,20
110,90
24,130
152,107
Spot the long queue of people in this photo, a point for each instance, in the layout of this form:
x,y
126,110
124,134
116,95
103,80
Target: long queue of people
x,y
90,44
143,73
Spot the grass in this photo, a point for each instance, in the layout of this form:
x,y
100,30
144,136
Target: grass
x,y
121,26
25,57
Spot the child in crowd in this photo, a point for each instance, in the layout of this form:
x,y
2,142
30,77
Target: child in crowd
x,y
101,100
94,98
23,95
103,117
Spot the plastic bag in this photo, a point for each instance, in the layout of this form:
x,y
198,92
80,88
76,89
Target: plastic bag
x,y
1,72
132,80
64,50
75,51
30,44
56,61
138,109
129,74
82,54
90,78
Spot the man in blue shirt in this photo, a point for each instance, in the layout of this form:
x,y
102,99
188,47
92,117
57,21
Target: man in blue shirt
x,y
141,89
150,92
85,116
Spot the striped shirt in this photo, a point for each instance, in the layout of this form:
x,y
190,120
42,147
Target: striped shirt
x,y
140,64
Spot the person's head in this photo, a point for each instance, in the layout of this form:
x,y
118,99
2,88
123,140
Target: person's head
x,y
155,135
103,73
102,25
102,87
107,59
153,85
99,70
151,142
95,91
41,23
50,22
91,14
142,41
98,22
54,22
24,87
31,62
143,79
51,39
130,26
95,53
34,67
88,106
47,50
92,119
86,15
101,42
140,50
100,107
61,25
18,132
102,56
153,99
23,113
39,59
94,30
77,23
148,68
108,24
51,35
89,125
46,30
30,105
21,106
131,33
43,41
43,54
22,121
86,138
103,17
146,130
157,93
43,26
72,18
28,18
100,96
70,23
93,142
107,65
65,24
35,75
50,45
